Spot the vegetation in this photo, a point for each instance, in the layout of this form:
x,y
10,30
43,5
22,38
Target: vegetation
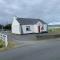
x,y
11,45
1,44
54,30
1,26
7,27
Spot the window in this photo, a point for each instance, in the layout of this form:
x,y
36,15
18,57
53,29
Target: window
x,y
27,28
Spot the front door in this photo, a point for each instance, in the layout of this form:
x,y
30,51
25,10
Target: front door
x,y
39,29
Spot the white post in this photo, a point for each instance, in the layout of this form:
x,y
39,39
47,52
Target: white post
x,y
6,42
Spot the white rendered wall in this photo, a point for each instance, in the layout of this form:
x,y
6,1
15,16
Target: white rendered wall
x,y
45,27
36,29
40,24
25,31
16,27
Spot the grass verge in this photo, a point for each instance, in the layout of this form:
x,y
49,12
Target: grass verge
x,y
11,44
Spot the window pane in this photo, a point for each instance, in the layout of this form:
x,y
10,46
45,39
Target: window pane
x,y
28,28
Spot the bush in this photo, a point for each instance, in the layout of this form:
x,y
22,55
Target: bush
x,y
1,43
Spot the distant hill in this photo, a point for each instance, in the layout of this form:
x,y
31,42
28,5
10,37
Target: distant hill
x,y
54,23
57,26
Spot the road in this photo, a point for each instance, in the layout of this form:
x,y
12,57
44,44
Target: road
x,y
34,50
45,50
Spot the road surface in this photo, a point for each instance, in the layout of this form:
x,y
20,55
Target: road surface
x,y
45,50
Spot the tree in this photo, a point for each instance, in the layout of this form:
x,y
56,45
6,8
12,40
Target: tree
x,y
1,26
7,27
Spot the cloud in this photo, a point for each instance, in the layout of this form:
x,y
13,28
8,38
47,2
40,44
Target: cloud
x,y
2,2
48,10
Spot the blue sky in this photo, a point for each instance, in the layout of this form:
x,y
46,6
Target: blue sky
x,y
47,10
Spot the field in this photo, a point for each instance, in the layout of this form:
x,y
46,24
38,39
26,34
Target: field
x,y
54,30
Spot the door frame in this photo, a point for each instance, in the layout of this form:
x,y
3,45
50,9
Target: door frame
x,y
39,29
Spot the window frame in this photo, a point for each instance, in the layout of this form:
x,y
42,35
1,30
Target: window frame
x,y
28,28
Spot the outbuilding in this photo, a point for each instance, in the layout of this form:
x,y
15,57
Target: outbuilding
x,y
28,25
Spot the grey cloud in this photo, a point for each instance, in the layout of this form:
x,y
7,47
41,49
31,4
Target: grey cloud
x,y
48,10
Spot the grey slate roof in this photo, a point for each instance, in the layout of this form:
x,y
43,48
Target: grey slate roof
x,y
28,21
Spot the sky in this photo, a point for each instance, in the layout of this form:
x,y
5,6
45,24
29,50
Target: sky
x,y
47,10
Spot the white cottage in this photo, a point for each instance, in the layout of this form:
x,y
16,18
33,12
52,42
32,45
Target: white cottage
x,y
28,25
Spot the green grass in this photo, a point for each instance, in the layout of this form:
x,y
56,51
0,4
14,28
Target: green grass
x,y
57,30
2,44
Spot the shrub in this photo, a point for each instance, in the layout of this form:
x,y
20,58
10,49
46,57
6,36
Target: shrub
x,y
1,43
